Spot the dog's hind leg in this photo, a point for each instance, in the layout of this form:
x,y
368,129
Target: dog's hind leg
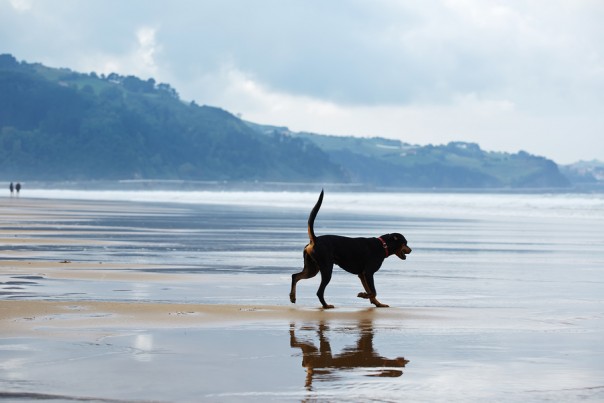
x,y
295,278
309,271
325,279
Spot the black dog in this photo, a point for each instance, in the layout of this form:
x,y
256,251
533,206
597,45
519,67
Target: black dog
x,y
360,256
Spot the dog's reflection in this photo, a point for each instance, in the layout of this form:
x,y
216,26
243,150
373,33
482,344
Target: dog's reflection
x,y
322,364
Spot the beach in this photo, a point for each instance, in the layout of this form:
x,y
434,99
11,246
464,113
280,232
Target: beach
x,y
154,297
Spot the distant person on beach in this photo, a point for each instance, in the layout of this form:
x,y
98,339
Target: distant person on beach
x,y
18,187
12,188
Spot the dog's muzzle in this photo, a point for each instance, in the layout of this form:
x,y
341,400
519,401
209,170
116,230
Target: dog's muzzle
x,y
403,251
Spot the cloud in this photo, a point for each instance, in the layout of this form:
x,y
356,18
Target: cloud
x,y
139,59
496,124
510,74
147,48
21,5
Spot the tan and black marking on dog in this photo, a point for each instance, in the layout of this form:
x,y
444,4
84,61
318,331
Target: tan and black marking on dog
x,y
360,256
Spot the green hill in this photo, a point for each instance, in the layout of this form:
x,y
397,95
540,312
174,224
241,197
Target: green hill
x,y
57,124
392,163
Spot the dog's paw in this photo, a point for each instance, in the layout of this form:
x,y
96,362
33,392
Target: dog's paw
x,y
292,298
380,305
363,295
328,306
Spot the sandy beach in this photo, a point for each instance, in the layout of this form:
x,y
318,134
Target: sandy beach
x,y
92,309
28,318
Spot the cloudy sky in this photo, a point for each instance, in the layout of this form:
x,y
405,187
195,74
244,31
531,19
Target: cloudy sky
x,y
509,75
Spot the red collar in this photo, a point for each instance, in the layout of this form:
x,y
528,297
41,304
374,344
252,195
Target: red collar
x,y
385,246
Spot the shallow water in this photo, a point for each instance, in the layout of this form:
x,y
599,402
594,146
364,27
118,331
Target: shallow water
x,y
512,285
331,360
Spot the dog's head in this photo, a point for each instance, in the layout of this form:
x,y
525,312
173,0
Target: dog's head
x,y
397,244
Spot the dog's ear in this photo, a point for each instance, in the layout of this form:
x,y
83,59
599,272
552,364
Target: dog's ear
x,y
399,238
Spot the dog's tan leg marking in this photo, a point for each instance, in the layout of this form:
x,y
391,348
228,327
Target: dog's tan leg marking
x,y
367,292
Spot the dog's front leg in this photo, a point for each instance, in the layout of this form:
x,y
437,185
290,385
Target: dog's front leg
x,y
367,292
368,284
377,303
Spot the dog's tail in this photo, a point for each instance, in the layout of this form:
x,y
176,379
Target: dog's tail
x,y
311,219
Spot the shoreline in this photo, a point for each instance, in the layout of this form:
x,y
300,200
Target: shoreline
x,y
194,185
28,318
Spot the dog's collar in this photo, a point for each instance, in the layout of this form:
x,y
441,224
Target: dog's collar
x,y
385,246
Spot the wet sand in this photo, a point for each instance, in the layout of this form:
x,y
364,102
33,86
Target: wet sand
x,y
28,318
78,327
